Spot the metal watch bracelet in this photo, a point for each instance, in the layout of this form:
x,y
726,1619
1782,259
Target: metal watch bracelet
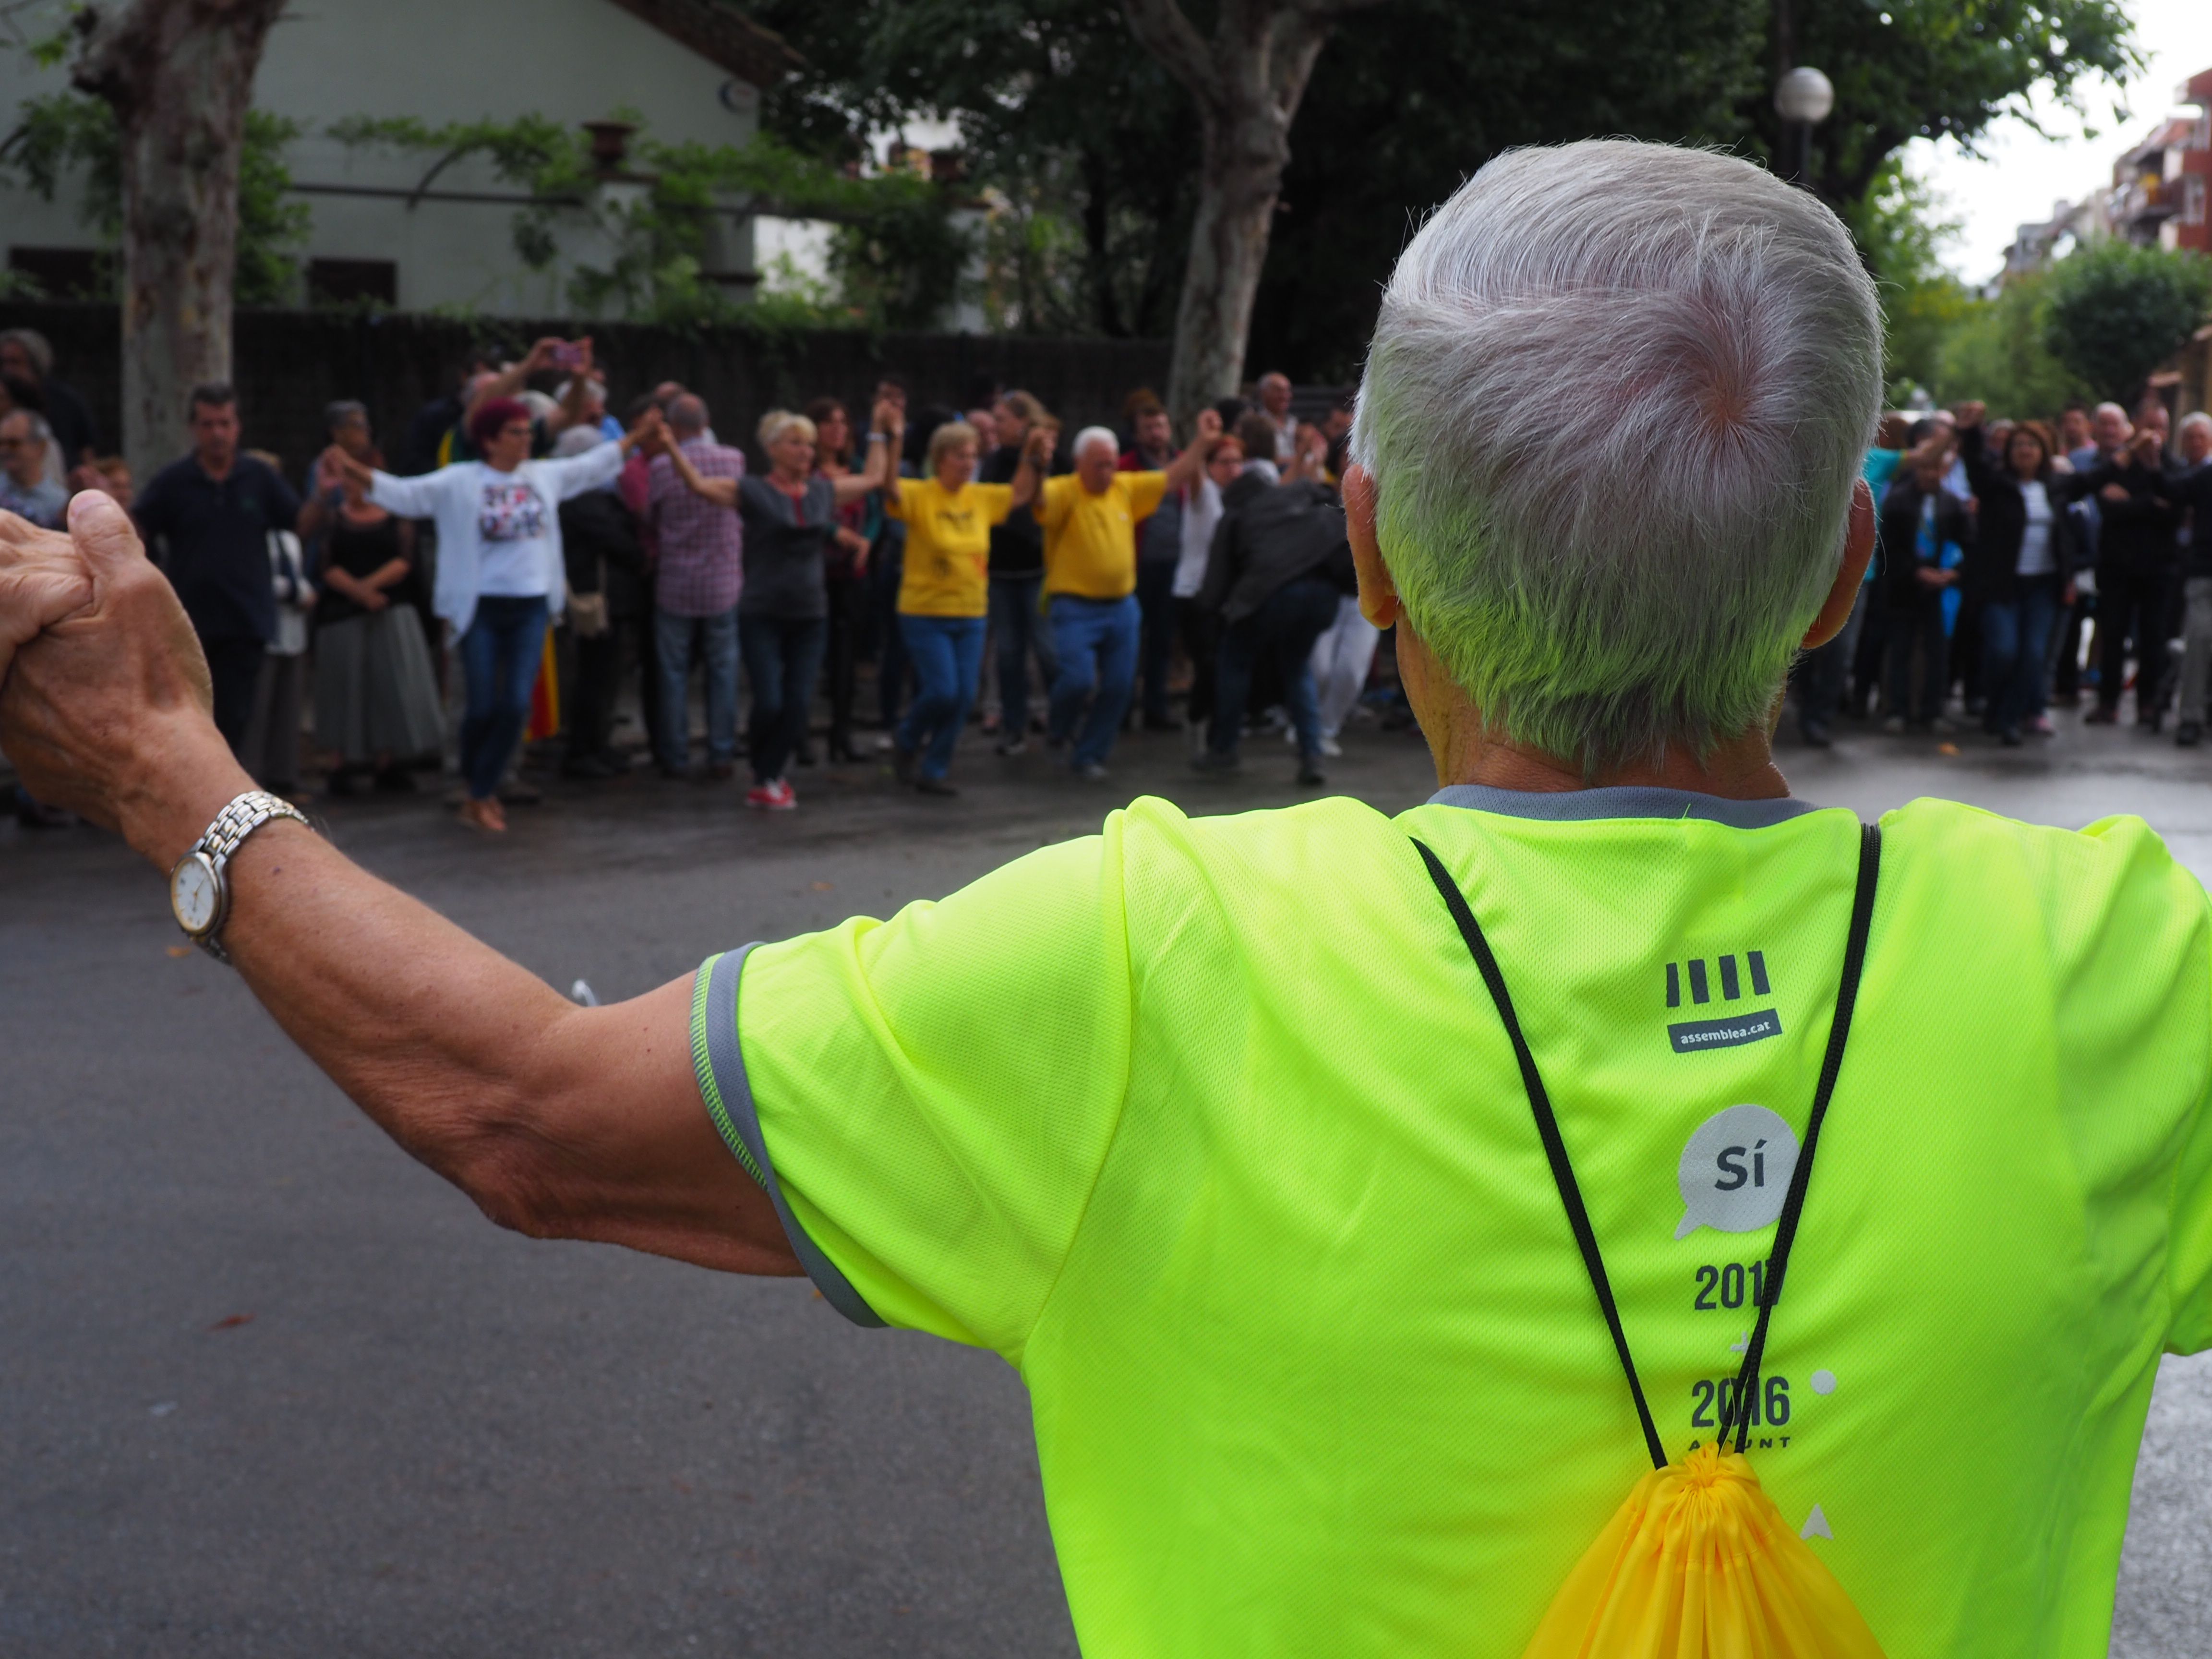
x,y
239,818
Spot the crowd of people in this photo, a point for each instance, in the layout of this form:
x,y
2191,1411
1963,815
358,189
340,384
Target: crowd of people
x,y
559,567
544,557
2026,563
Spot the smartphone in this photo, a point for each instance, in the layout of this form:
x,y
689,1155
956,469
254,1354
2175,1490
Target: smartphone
x,y
568,355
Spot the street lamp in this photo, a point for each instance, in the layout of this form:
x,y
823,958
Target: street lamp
x,y
1802,98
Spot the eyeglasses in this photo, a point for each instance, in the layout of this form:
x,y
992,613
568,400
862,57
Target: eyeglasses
x,y
520,430
11,443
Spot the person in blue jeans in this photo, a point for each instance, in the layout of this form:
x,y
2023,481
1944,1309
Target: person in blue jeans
x,y
500,569
790,519
942,600
499,655
2021,566
1096,643
1089,519
711,641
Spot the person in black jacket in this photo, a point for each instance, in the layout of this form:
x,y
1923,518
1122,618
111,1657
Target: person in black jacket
x,y
1278,564
607,599
1919,519
2135,555
2188,488
1018,576
2019,566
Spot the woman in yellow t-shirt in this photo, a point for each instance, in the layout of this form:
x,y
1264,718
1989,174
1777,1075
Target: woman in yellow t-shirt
x,y
944,594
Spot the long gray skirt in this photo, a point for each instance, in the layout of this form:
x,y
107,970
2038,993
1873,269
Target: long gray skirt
x,y
375,694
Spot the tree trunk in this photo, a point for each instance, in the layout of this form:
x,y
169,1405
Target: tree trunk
x,y
180,75
1244,173
1247,81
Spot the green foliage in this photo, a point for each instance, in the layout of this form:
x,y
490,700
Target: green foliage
x,y
1995,352
272,223
62,130
1084,148
20,285
1931,68
899,254
1090,152
2116,311
66,130
1411,98
1901,237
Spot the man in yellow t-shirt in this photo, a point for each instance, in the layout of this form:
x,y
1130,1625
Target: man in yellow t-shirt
x,y
1090,519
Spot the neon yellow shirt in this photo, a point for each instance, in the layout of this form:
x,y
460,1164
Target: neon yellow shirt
x,y
1090,541
948,545
1209,1129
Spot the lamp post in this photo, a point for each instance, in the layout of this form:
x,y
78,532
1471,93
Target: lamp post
x,y
1802,97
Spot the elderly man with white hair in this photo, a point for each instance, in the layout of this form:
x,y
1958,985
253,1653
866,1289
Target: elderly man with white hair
x,y
1367,1200
1090,517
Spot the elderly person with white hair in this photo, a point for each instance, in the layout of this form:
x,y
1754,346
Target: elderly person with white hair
x,y
1090,517
1366,1200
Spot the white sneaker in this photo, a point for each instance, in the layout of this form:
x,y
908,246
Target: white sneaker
x,y
1332,748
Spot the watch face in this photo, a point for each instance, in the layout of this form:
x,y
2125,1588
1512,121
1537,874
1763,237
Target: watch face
x,y
194,893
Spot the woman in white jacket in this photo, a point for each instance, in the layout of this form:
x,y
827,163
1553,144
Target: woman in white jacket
x,y
500,575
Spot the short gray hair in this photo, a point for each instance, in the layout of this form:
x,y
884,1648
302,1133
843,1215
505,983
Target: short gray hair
x,y
40,434
1095,435
2190,422
687,412
1615,409
34,347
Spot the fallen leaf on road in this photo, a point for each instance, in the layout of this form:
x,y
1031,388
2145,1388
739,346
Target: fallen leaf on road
x,y
233,1323
1946,748
824,886
180,951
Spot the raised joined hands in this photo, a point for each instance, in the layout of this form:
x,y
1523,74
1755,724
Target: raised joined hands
x,y
104,708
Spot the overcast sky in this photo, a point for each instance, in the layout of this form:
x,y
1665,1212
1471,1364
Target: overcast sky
x,y
2022,175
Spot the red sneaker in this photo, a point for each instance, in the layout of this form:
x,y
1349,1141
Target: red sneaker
x,y
782,796
762,795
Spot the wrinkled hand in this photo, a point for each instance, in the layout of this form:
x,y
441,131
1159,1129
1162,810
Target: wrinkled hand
x,y
106,711
1931,577
1209,428
2112,492
42,581
1971,413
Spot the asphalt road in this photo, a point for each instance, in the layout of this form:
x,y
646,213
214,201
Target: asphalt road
x,y
268,1388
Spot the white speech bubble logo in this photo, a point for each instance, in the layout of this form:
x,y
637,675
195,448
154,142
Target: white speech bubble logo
x,y
1735,1172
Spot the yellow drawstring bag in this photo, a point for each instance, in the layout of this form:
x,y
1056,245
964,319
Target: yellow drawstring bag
x,y
1698,1563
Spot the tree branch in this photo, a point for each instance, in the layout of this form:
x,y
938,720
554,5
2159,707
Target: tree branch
x,y
1162,29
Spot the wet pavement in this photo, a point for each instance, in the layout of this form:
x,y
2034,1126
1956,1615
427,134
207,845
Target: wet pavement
x,y
270,1389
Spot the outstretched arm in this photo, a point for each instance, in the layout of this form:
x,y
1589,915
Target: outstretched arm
x,y
557,1120
886,432
722,492
1185,467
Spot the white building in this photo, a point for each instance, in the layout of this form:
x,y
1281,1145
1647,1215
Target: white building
x,y
692,68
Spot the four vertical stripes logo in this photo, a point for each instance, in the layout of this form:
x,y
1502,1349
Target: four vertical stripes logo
x,y
1731,980
1734,978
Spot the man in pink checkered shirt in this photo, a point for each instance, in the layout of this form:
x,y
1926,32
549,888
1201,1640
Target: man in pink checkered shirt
x,y
695,599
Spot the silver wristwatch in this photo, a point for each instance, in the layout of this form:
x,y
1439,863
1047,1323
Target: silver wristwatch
x,y
200,891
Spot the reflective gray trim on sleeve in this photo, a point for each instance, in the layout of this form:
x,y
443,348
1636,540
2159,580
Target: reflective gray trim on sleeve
x,y
729,1098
